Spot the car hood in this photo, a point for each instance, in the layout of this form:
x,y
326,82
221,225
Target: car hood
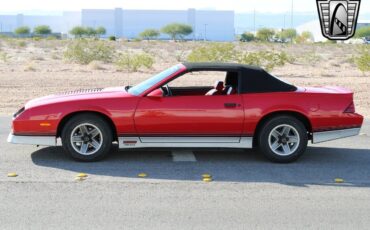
x,y
78,95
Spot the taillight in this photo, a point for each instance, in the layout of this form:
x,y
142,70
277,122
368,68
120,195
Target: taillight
x,y
350,108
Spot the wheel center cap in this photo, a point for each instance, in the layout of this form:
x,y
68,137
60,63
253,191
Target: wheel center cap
x,y
283,139
86,138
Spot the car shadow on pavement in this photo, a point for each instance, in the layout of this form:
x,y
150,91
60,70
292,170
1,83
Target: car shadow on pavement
x,y
318,166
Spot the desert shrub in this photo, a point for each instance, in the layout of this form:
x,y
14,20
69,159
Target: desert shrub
x,y
136,40
363,32
149,34
247,37
310,57
96,65
21,44
265,59
4,56
86,51
305,37
30,67
363,60
265,34
133,62
112,38
216,52
180,55
287,35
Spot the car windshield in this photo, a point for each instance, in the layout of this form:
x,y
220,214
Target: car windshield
x,y
141,87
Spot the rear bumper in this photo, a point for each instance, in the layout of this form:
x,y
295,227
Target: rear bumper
x,y
318,137
33,140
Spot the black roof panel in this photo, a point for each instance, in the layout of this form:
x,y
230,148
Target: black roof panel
x,y
218,66
253,78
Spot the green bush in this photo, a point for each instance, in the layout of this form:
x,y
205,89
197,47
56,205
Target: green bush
x,y
305,37
149,34
42,30
247,37
363,32
363,60
287,35
80,31
112,38
4,57
265,34
86,51
22,31
214,52
133,62
265,59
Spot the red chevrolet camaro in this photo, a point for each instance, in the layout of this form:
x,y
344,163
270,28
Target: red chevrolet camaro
x,y
246,108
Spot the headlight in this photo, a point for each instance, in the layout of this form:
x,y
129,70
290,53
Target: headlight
x,y
18,112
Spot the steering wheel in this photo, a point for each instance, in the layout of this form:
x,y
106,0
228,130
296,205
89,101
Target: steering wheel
x,y
166,90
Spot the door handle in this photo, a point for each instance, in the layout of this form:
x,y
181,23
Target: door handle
x,y
230,105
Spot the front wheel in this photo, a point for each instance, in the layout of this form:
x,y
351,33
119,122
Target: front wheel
x,y
283,139
87,137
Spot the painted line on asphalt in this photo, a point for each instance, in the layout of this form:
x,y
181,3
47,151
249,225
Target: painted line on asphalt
x,y
183,156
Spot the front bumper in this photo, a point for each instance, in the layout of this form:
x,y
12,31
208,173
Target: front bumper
x,y
318,137
34,140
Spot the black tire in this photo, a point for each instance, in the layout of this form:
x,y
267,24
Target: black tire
x,y
91,122
290,146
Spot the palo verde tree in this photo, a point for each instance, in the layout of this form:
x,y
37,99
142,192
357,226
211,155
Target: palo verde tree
x,y
22,31
287,35
265,34
247,37
177,30
42,30
90,32
100,31
78,31
149,34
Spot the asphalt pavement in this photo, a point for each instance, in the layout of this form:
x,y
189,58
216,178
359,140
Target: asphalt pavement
x,y
247,191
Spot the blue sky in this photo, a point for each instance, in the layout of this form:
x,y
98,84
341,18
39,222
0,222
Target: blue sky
x,y
54,6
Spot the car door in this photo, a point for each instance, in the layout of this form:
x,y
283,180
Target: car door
x,y
190,116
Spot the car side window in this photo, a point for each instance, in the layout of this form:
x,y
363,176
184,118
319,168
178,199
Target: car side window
x,y
205,83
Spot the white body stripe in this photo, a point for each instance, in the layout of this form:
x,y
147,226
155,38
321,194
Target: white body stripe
x,y
174,142
191,142
334,134
34,140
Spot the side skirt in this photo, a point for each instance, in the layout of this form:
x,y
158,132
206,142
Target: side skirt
x,y
184,142
34,140
318,137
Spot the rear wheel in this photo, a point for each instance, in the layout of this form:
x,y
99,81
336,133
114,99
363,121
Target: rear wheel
x,y
283,139
87,137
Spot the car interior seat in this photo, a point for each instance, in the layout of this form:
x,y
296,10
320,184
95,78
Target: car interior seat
x,y
217,89
231,83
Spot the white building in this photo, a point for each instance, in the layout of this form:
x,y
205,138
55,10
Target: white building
x,y
207,24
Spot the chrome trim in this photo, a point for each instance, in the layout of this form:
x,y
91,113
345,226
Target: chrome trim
x,y
34,140
318,137
191,142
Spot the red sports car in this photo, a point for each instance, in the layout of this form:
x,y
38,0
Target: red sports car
x,y
246,108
